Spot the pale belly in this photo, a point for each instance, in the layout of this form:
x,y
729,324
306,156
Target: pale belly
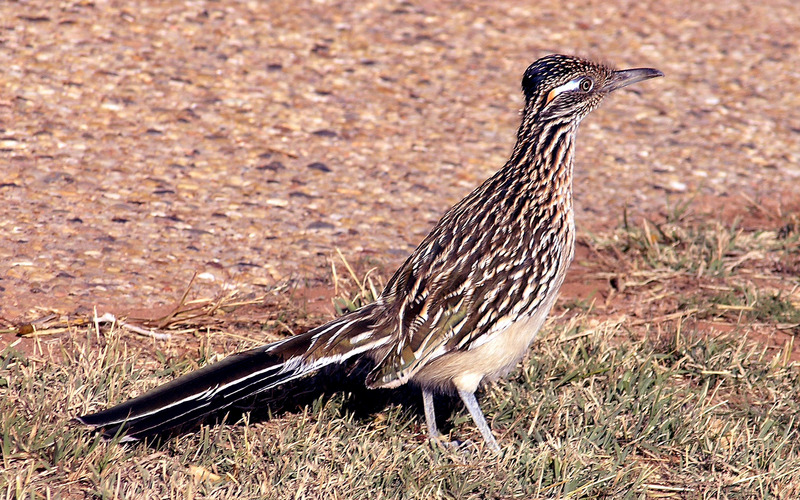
x,y
465,370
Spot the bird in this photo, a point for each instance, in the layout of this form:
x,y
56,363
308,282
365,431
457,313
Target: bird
x,y
464,307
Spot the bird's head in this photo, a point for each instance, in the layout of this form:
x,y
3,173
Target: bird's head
x,y
567,87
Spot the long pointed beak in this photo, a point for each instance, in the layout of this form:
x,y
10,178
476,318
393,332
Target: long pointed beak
x,y
626,77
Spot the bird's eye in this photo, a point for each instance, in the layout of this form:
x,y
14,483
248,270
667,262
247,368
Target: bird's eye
x,y
586,84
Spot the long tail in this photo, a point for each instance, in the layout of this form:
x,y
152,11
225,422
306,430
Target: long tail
x,y
189,398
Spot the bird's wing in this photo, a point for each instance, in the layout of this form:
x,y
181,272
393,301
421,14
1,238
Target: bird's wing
x,y
423,341
441,298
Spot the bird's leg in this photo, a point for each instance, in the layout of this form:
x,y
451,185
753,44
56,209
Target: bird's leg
x,y
430,415
430,418
477,415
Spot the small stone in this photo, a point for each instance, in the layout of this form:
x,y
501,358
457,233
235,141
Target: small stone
x,y
676,186
319,166
273,166
320,225
325,133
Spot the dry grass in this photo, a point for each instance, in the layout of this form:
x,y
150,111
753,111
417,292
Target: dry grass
x,y
606,407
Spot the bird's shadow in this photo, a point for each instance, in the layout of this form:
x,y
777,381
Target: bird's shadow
x,y
294,396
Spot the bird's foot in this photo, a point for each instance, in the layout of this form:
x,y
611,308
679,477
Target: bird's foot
x,y
456,444
446,444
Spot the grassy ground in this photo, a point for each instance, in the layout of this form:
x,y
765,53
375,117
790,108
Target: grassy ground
x,y
677,380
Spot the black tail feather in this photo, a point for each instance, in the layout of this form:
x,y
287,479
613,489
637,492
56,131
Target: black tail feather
x,y
236,378
191,397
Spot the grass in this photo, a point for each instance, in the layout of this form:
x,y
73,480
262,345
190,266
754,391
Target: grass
x,y
606,407
702,246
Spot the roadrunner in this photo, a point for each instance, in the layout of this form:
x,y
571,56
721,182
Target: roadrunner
x,y
463,308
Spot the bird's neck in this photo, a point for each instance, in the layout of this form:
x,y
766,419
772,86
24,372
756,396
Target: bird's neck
x,y
542,160
542,165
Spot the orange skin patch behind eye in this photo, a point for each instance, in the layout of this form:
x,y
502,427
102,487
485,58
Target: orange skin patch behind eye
x,y
570,85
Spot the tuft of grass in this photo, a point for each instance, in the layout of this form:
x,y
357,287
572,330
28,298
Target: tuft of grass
x,y
776,307
698,246
366,289
746,303
712,249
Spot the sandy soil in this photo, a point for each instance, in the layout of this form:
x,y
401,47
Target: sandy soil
x,y
246,141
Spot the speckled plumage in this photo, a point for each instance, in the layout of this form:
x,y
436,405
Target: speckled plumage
x,y
467,303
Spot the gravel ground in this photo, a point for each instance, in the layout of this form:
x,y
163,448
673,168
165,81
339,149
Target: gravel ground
x,y
245,141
